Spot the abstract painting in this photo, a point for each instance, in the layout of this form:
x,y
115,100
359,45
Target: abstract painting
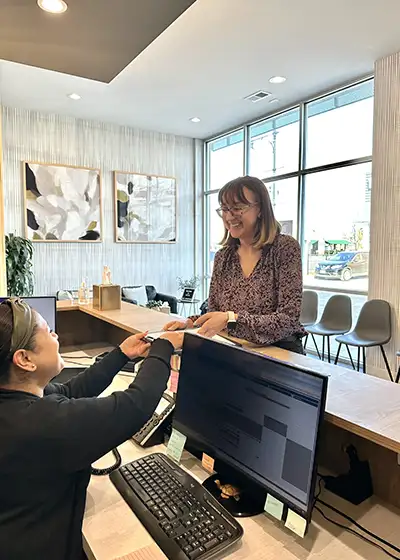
x,y
145,208
62,203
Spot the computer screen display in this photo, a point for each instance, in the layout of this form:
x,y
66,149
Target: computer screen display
x,y
257,414
45,305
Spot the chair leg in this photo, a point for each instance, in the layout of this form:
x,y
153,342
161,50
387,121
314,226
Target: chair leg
x,y
350,356
386,363
337,354
364,360
398,375
323,348
358,358
305,342
329,349
315,344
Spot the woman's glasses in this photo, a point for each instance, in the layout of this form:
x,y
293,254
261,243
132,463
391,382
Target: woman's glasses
x,y
238,210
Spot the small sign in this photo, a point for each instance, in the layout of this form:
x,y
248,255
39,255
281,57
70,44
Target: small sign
x,y
176,445
188,294
274,507
208,463
296,523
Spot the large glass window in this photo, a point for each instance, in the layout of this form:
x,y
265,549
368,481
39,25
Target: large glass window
x,y
274,145
225,159
336,228
339,126
284,198
215,231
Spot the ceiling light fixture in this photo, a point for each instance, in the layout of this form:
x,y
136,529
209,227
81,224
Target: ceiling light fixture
x,y
277,80
74,96
53,6
195,119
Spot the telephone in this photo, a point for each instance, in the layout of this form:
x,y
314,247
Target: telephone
x,y
152,432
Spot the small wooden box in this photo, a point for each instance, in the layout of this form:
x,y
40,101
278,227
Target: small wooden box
x,y
106,297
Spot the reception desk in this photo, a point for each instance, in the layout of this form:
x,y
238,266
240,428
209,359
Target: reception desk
x,y
361,409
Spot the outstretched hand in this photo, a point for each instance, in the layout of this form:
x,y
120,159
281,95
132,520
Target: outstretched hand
x,y
178,325
134,346
212,323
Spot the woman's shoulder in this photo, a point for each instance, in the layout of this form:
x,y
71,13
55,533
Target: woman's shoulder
x,y
286,242
223,253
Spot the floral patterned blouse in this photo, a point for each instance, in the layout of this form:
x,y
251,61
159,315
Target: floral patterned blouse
x,y
268,302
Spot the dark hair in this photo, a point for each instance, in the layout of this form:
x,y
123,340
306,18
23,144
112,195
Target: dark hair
x,y
6,331
267,227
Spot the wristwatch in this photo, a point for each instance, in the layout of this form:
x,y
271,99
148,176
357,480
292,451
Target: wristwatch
x,y
231,320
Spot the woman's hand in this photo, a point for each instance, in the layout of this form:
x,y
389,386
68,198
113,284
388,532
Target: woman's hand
x,y
178,325
135,346
212,323
175,338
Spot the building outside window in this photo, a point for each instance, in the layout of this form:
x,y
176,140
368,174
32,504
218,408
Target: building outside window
x,y
315,160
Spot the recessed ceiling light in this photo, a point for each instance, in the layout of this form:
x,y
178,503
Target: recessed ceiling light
x,y
53,6
277,80
74,96
274,101
195,119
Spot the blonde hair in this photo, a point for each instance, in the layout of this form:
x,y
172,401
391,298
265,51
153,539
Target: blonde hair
x,y
267,226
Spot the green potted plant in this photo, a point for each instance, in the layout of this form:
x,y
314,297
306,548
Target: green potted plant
x,y
19,254
155,305
193,282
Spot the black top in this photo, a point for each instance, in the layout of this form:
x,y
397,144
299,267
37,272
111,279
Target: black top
x,y
48,444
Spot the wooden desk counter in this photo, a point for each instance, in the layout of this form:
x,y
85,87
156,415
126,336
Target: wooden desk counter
x,y
111,529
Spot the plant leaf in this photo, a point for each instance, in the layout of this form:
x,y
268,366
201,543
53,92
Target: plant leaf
x,y
122,196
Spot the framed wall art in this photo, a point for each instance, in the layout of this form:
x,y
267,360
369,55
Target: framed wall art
x,y
62,202
145,208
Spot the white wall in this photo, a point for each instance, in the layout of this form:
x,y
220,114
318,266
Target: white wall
x,y
48,138
384,271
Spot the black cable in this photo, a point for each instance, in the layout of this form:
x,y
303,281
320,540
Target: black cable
x,y
350,530
109,470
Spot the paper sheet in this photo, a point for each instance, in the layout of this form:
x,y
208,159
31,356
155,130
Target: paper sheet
x,y
208,463
296,523
151,552
175,446
217,338
274,507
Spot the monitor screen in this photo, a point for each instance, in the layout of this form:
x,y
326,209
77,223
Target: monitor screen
x,y
258,415
45,305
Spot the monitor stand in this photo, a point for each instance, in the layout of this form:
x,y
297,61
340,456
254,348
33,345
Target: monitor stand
x,y
250,498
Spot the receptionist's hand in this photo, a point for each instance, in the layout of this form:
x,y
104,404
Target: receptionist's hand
x,y
134,346
212,323
178,325
175,338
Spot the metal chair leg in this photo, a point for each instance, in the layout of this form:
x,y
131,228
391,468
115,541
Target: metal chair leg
x,y
398,375
315,344
337,354
358,358
386,362
364,360
350,356
323,348
305,342
329,349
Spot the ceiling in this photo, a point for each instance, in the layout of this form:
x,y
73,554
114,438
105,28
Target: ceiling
x,y
208,60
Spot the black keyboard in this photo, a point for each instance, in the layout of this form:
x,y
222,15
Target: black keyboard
x,y
184,519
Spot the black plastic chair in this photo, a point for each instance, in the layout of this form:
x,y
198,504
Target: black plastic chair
x,y
335,320
309,310
373,328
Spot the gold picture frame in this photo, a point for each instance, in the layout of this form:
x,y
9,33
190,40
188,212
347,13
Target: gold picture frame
x,y
145,208
62,203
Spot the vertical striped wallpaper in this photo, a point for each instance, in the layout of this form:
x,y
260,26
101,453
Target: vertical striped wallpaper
x,y
384,267
49,138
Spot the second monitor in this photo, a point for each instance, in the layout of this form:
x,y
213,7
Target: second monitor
x,y
257,417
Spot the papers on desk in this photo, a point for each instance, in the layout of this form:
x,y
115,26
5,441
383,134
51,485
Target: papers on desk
x,y
151,552
217,337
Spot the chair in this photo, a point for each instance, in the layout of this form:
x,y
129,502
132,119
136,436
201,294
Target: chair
x,y
373,328
152,295
335,320
398,371
63,295
309,310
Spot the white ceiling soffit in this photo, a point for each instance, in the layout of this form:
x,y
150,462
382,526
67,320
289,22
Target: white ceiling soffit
x,y
214,55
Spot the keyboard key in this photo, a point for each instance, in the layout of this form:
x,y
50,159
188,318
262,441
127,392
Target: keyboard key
x,y
139,491
168,513
211,544
196,553
188,549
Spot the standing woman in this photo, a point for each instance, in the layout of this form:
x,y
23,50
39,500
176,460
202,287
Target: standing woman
x,y
256,285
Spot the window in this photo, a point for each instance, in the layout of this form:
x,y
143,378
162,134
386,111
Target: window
x,y
225,159
339,126
336,228
284,198
215,231
274,145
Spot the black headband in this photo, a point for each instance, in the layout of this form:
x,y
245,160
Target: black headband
x,y
24,323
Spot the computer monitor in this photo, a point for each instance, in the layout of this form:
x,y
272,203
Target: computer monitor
x,y
45,305
259,418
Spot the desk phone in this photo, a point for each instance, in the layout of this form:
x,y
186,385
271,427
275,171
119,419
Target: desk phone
x,y
152,432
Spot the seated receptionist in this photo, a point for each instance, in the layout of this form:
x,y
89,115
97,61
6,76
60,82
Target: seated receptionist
x,y
51,433
256,284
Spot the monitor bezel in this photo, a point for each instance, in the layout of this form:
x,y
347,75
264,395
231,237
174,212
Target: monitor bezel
x,y
226,458
24,298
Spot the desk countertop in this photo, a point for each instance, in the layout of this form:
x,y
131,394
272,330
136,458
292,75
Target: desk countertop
x,y
111,530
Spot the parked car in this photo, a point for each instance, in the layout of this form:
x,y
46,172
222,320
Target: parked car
x,y
344,266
